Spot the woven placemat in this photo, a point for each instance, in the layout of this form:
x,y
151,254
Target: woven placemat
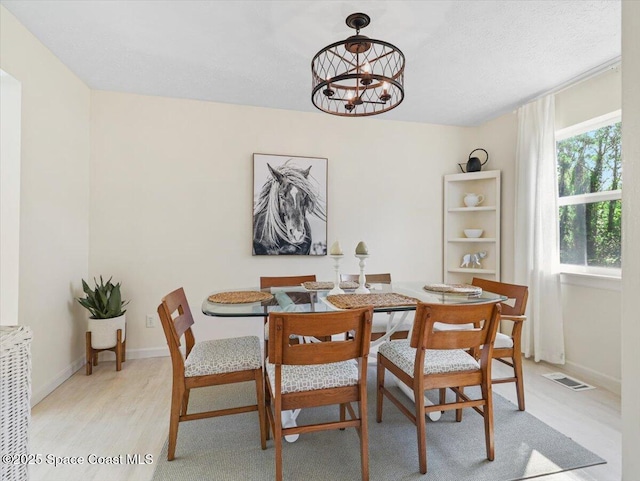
x,y
387,299
454,288
239,297
325,286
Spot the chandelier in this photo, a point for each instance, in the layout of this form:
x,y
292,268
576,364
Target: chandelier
x,y
358,76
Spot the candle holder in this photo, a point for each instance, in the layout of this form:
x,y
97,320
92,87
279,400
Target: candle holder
x,y
336,267
362,280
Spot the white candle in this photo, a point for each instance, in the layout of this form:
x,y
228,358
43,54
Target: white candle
x,y
361,248
336,250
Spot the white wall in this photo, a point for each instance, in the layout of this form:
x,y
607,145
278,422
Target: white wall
x,y
54,210
171,197
592,332
589,99
631,234
585,308
10,93
499,137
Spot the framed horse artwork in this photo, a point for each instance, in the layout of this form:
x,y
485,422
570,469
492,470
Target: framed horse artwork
x,y
289,205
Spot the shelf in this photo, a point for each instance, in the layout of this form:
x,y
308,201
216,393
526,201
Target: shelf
x,y
473,209
472,271
459,217
472,239
467,176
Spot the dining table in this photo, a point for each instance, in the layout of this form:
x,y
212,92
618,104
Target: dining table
x,y
319,297
302,299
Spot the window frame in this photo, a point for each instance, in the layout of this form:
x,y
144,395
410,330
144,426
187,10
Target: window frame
x,y
609,195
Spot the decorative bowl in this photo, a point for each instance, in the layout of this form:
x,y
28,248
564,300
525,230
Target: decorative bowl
x,y
473,233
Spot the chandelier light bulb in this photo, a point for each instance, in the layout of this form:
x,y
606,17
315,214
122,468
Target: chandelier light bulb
x,y
366,74
329,92
385,97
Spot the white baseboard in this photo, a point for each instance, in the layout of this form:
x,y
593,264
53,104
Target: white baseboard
x,y
62,376
137,353
66,373
593,377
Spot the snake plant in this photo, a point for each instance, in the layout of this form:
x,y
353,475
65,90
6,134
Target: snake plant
x,y
104,301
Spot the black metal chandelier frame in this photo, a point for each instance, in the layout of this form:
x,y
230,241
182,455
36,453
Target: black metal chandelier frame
x,y
358,76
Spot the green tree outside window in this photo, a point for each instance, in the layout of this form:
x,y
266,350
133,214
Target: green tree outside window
x,y
590,230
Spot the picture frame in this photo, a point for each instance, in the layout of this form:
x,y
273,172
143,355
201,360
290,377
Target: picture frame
x,y
289,205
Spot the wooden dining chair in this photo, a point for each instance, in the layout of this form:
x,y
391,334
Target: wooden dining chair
x,y
318,373
280,281
439,360
507,348
371,278
285,281
207,363
383,321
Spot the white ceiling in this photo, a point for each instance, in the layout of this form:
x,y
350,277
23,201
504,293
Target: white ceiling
x,y
467,60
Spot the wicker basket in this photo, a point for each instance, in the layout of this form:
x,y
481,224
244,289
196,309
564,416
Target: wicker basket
x,y
15,391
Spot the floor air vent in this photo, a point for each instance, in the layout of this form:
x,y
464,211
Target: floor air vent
x,y
568,381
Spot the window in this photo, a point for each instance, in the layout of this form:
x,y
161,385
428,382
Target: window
x,y
590,196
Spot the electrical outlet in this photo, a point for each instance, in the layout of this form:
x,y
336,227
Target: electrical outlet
x,y
151,321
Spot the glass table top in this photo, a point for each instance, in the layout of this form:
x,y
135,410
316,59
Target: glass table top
x,y
299,299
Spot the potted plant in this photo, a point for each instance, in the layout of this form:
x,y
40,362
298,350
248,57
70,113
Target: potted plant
x,y
107,317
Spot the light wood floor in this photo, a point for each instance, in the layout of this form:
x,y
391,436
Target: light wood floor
x,y
110,414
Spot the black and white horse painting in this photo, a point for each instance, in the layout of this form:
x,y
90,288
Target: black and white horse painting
x,y
289,212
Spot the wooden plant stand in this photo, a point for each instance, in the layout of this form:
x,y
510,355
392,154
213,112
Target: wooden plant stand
x,y
119,350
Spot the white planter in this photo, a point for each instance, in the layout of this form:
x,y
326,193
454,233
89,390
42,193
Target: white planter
x,y
104,331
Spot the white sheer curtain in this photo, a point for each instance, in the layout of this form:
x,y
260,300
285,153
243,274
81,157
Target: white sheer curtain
x,y
536,230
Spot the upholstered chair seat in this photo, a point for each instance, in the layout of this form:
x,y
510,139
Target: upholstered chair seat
x,y
218,356
296,378
503,341
381,322
436,361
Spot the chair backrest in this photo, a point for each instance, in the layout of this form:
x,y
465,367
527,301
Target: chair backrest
x,y
283,326
520,295
175,327
486,316
375,278
285,281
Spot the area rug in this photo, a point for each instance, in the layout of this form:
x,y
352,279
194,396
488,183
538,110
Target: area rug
x,y
228,448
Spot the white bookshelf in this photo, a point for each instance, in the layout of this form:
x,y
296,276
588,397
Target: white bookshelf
x,y
458,217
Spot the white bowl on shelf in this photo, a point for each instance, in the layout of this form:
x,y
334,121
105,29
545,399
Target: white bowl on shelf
x,y
473,233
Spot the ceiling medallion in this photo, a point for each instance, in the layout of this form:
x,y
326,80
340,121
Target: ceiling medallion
x,y
358,76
